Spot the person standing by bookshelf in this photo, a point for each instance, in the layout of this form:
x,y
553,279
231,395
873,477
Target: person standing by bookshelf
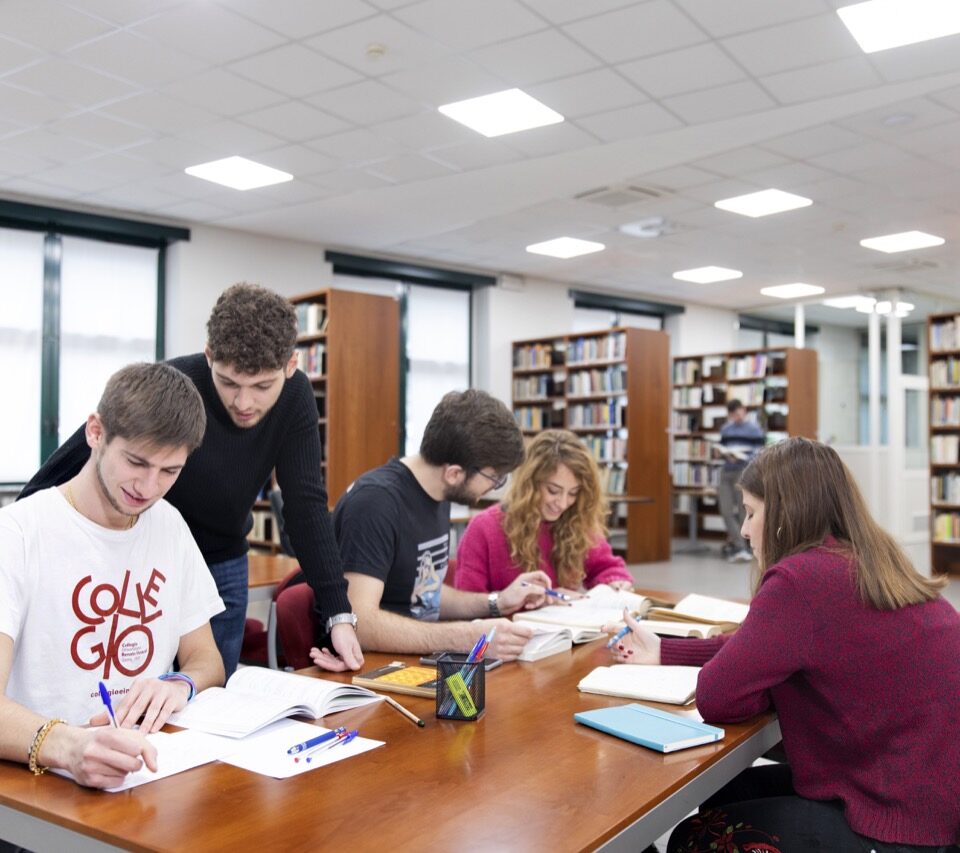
x,y
553,519
261,417
858,654
740,439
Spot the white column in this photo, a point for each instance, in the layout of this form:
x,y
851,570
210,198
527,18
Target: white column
x,y
896,457
799,326
873,408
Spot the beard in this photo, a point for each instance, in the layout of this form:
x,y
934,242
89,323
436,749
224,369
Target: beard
x,y
460,495
110,498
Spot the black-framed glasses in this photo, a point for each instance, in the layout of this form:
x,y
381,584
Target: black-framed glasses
x,y
498,482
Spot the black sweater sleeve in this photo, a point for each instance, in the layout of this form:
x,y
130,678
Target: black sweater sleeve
x,y
64,464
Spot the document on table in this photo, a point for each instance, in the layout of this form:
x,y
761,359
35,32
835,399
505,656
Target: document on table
x,y
265,751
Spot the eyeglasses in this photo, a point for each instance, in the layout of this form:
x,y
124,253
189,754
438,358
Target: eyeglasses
x,y
498,482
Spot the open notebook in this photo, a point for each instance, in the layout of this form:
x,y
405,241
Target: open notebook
x,y
703,609
585,617
255,697
674,685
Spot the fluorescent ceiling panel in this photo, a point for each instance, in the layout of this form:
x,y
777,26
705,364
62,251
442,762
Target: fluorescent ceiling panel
x,y
796,290
707,275
238,173
763,203
502,112
565,247
902,242
860,303
882,24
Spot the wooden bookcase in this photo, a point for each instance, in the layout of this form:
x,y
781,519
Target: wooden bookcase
x,y
611,387
943,334
349,347
779,388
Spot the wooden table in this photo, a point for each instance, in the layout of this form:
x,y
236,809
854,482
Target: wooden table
x,y
266,571
525,777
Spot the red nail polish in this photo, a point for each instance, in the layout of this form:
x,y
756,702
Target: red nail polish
x,y
620,647
629,651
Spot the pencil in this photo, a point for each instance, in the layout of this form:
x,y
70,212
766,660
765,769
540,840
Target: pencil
x,y
413,718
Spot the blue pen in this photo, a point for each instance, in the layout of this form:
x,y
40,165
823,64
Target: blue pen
x,y
300,747
105,698
616,638
562,596
341,741
476,649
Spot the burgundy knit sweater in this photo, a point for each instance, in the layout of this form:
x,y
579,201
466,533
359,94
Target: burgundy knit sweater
x,y
868,700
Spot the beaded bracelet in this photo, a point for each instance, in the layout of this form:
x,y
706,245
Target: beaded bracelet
x,y
180,676
38,740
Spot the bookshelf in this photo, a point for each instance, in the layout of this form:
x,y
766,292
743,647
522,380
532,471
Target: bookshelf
x,y
349,347
610,387
777,386
943,334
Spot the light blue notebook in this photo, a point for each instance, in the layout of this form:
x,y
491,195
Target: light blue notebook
x,y
659,730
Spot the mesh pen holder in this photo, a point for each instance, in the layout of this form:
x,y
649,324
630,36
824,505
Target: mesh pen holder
x,y
460,688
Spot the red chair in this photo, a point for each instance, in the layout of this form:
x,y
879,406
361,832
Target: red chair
x,y
296,624
451,571
260,641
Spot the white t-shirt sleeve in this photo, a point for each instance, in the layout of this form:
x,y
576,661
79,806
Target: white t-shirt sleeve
x,y
13,580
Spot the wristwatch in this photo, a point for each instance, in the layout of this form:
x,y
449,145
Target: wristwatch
x,y
340,619
492,599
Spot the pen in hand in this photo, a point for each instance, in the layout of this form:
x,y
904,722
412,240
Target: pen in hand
x,y
616,638
560,596
105,698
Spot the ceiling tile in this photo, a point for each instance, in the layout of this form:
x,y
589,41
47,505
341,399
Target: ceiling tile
x,y
725,17
542,141
640,30
298,160
176,153
584,94
223,93
475,155
37,189
136,197
195,211
228,137
630,122
403,47
295,70
427,131
682,71
50,146
813,40
948,97
351,180
720,103
864,156
159,112
121,167
76,179
14,55
931,140
28,107
49,25
821,81
124,12
101,130
816,140
409,167
675,178
21,162
70,82
445,81
299,19
366,103
135,59
466,24
738,161
209,32
565,11
787,176
913,61
535,58
294,121
357,146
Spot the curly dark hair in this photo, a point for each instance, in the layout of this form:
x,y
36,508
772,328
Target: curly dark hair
x,y
252,329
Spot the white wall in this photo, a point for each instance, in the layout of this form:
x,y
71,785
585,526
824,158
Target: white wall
x,y
200,269
838,357
701,330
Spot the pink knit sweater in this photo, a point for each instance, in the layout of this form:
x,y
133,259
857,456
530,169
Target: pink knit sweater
x,y
484,564
867,699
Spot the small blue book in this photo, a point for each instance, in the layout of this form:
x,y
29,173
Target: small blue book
x,y
659,730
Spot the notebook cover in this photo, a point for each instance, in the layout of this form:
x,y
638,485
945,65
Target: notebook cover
x,y
650,727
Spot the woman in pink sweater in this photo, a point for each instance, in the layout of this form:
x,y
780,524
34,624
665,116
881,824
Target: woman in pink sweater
x,y
553,519
857,653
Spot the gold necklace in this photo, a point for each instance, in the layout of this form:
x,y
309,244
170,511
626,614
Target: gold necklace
x,y
73,503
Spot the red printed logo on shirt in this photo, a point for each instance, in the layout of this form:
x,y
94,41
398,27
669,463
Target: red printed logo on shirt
x,y
129,649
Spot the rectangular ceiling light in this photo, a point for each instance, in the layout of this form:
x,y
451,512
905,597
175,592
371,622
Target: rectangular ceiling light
x,y
792,291
238,173
881,24
902,242
763,203
864,304
707,275
565,247
501,113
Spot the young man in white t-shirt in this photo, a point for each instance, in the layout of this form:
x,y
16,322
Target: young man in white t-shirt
x,y
101,581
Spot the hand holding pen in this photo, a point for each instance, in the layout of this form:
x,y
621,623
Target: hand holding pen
x,y
560,597
633,643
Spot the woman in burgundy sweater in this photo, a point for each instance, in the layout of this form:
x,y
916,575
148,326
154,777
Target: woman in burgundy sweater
x,y
857,653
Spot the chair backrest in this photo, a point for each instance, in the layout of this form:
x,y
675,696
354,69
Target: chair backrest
x,y
451,571
296,624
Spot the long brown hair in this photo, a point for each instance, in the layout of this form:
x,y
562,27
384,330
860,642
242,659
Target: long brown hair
x,y
578,529
809,494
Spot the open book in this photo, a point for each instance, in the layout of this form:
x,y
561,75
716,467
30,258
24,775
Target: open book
x,y
675,685
702,608
550,640
697,630
585,617
255,697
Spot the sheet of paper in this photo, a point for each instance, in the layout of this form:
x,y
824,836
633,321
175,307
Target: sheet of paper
x,y
265,752
705,607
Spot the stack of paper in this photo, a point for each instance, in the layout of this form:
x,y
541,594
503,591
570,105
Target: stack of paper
x,y
675,685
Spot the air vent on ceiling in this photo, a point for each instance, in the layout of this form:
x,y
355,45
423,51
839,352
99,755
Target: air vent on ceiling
x,y
906,265
621,196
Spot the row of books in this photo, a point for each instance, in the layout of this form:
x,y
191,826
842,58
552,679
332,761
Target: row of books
x,y
613,379
945,335
539,387
607,348
695,449
539,417
945,373
311,318
684,421
758,364
696,474
946,527
606,448
945,449
613,479
312,359
537,355
944,411
610,414
945,488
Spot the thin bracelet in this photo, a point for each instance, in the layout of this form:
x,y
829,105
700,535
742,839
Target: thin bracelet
x,y
38,740
180,676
